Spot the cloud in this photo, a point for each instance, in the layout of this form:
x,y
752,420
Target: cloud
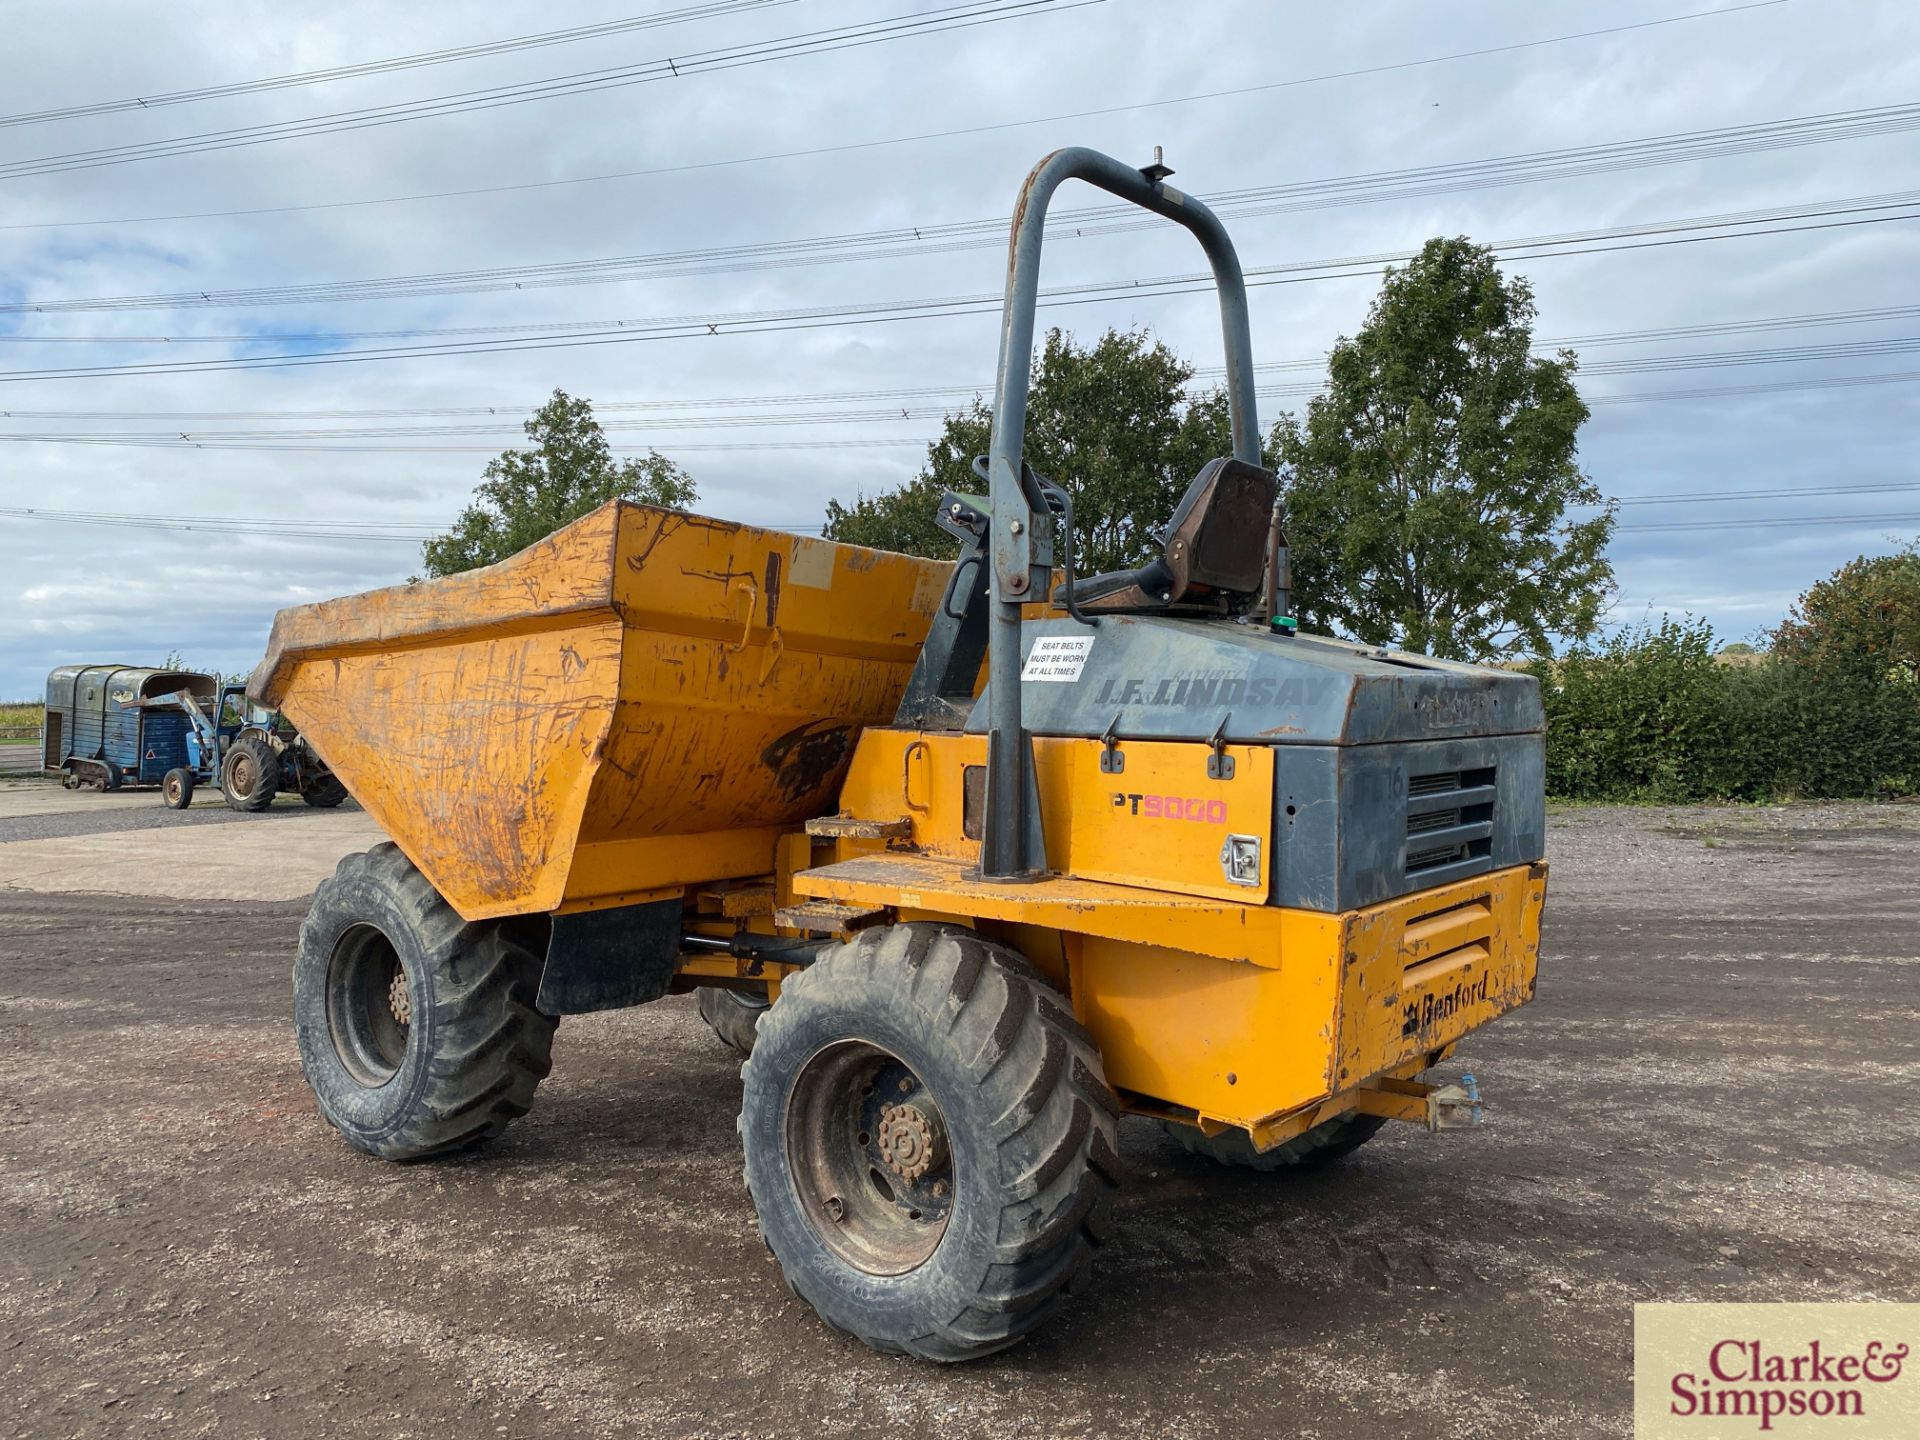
x,y
73,592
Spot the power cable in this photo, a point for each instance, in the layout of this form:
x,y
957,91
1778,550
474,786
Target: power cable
x,y
711,418
163,99
358,533
1775,523
902,139
876,312
1654,334
928,238
679,67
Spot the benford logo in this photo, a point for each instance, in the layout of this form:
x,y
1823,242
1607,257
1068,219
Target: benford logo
x,y
1721,1371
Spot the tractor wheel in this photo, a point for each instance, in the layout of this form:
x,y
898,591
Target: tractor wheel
x,y
930,1143
733,1015
1326,1142
417,1030
176,791
250,775
325,792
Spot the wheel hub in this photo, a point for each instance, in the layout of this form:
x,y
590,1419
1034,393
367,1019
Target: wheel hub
x,y
908,1141
398,998
870,1157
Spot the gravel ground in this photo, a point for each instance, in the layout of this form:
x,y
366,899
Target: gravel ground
x,y
1707,1101
208,809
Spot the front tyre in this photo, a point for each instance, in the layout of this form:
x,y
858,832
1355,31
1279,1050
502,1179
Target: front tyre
x,y
417,1030
930,1143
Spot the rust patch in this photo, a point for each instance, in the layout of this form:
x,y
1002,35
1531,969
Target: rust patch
x,y
805,760
773,588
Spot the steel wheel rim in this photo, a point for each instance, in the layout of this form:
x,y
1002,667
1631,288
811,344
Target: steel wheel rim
x,y
242,773
170,787
369,1006
870,1158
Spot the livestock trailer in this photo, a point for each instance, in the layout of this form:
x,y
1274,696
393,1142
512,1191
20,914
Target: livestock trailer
x,y
97,732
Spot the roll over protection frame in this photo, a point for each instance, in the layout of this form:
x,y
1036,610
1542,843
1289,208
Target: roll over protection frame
x,y
1019,555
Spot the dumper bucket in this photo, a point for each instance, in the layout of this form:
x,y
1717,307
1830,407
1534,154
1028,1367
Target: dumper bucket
x,y
644,700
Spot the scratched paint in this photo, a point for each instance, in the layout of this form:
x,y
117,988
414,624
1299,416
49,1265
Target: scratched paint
x,y
570,722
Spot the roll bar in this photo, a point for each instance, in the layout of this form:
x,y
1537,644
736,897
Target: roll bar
x,y
1021,550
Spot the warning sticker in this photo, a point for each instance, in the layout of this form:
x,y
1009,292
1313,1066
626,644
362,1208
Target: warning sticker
x,y
1057,657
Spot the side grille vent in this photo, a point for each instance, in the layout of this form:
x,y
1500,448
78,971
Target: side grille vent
x,y
1449,824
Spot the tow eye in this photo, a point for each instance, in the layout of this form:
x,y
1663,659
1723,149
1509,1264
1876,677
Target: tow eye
x,y
1455,1107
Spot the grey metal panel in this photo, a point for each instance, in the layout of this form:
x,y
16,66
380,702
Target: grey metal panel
x,y
1340,817
1154,677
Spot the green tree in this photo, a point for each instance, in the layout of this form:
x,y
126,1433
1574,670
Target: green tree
x,y
1111,423
1865,617
1430,483
526,495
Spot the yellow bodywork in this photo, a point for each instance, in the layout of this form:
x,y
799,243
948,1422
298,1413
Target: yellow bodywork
x,y
1205,1002
650,704
643,701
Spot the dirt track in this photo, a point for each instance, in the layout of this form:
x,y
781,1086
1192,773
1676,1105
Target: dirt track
x,y
1710,1100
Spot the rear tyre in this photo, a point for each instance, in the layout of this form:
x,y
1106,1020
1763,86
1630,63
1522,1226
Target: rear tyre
x,y
733,1015
930,1143
1323,1144
250,775
176,791
325,792
417,1030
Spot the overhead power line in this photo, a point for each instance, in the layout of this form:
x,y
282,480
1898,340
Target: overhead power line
x,y
915,139
1825,382
1774,523
1705,497
678,67
177,419
930,238
453,439
604,30
710,417
405,534
1866,210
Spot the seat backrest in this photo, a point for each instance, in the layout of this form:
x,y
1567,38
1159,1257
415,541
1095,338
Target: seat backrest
x,y
1218,534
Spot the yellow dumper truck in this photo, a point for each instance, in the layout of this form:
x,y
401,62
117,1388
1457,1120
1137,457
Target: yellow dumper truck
x,y
969,859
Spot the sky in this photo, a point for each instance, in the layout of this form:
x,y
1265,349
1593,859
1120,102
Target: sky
x,y
189,497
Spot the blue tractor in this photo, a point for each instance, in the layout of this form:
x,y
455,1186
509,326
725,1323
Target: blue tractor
x,y
110,726
252,754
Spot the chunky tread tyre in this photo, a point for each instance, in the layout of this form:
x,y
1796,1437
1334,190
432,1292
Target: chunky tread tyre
x,y
325,792
733,1015
252,757
474,1049
1027,1112
1325,1143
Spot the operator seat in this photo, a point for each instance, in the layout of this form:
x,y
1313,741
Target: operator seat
x,y
1213,553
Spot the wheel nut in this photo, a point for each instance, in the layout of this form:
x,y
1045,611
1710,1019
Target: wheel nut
x,y
909,1141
